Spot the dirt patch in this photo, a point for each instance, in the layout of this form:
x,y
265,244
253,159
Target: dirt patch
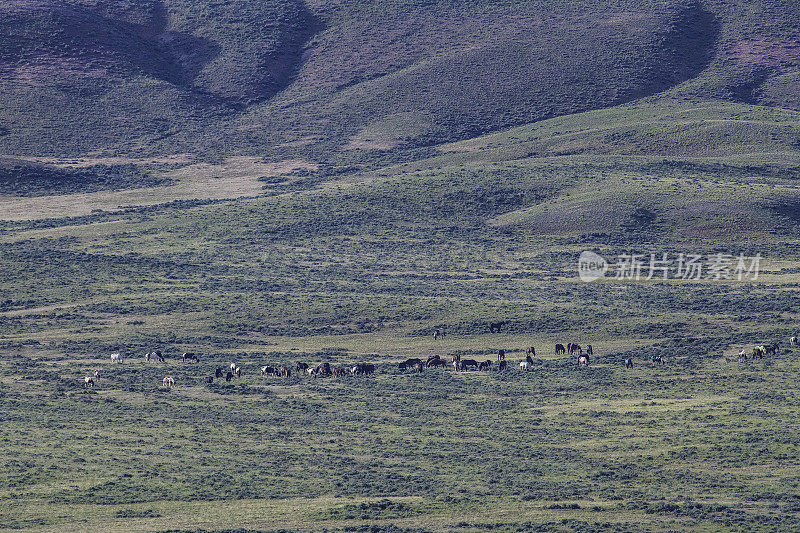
x,y
235,178
768,52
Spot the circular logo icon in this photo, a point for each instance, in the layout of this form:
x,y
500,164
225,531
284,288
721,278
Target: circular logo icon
x,y
591,266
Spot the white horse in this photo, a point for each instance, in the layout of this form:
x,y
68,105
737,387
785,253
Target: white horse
x,y
88,381
116,358
792,341
233,367
583,360
524,366
169,381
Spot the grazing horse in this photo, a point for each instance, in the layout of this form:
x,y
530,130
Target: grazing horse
x,y
589,350
284,371
362,368
432,361
169,381
338,372
573,348
438,334
502,365
159,356
501,355
409,363
209,379
560,349
467,363
301,368
311,371
268,371
218,373
116,358
656,360
96,374
583,360
629,362
147,357
524,366
324,369
743,355
229,376
238,372
531,351
792,341
438,362
88,381
419,367
486,365
496,326
233,367
529,360
759,351
190,356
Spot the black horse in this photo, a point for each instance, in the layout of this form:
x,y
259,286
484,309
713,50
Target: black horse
x,y
560,349
495,326
409,363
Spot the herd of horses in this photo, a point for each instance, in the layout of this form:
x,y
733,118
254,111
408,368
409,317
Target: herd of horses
x,y
414,364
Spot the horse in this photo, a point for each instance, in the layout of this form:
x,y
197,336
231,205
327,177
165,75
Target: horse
x,y
409,363
88,381
589,350
147,357
159,356
496,326
792,341
238,372
324,369
530,351
501,355
301,368
229,376
284,371
583,360
486,365
362,368
432,360
116,358
524,366
466,363
629,362
209,379
529,360
438,334
742,355
338,372
502,365
169,381
268,371
656,360
96,374
190,356
560,349
218,372
438,362
418,366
